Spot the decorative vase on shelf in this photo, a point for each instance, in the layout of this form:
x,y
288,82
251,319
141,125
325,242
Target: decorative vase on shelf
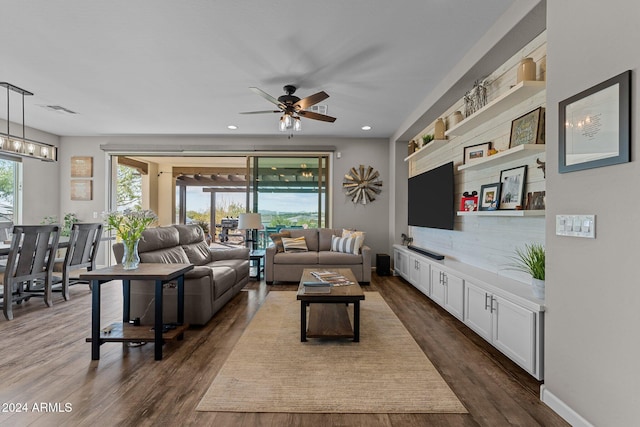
x,y
131,258
456,118
526,70
438,132
538,288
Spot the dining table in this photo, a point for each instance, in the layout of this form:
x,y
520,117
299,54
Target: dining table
x,y
63,242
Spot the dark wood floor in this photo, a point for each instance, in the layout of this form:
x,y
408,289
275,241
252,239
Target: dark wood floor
x,y
44,359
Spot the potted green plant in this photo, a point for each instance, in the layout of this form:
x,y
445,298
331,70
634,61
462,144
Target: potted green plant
x,y
426,138
531,260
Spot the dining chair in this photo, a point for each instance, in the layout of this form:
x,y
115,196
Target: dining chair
x,y
84,242
29,265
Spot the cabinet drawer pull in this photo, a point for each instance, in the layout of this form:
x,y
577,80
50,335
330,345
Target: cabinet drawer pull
x,y
486,302
492,307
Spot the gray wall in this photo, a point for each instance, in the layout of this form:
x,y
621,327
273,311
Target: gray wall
x,y
372,218
592,290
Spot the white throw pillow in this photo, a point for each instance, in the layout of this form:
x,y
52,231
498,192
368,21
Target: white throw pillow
x,y
294,244
349,245
352,233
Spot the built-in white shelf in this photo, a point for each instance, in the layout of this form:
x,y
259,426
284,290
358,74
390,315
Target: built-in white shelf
x,y
509,155
520,92
432,146
502,213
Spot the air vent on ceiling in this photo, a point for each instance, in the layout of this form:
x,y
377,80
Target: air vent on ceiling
x,y
320,109
58,109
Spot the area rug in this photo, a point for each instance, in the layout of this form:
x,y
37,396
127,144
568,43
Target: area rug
x,y
270,370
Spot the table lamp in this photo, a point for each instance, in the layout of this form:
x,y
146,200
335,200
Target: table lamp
x,y
250,222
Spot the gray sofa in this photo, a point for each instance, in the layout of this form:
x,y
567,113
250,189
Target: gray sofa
x,y
287,267
218,276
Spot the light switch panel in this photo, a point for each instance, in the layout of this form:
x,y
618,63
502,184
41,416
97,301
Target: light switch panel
x,y
576,226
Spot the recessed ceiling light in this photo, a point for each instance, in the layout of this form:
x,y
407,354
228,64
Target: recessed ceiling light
x,y
367,127
232,127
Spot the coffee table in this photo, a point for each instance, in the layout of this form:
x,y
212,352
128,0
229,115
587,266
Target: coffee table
x,y
328,315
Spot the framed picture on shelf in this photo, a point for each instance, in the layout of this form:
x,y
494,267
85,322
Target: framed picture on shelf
x,y
595,126
489,197
469,204
535,201
528,129
81,167
81,189
512,189
476,152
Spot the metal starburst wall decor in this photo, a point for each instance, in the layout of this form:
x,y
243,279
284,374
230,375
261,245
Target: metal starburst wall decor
x,y
362,185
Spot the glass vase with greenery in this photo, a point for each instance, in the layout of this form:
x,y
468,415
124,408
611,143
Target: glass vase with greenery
x,y
129,225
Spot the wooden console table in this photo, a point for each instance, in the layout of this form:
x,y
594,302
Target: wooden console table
x,y
123,332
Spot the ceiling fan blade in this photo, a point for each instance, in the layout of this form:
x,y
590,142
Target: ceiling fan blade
x,y
261,112
310,100
316,116
266,96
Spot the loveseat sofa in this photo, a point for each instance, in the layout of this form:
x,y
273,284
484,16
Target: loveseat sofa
x,y
218,276
288,266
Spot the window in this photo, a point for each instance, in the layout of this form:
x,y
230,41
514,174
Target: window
x,y
9,190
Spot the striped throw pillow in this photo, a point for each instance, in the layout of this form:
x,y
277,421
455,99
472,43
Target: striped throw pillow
x,y
349,245
294,244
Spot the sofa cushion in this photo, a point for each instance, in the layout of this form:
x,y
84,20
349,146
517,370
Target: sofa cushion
x,y
349,245
198,272
174,255
189,233
198,253
296,258
352,233
223,279
338,258
158,238
310,235
294,244
277,240
324,238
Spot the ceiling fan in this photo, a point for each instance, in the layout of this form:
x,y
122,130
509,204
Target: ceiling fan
x,y
293,108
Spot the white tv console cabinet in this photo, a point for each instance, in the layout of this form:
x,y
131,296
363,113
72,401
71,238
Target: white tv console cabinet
x,y
503,311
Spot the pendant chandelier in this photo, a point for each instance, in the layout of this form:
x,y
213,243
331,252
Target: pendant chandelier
x,y
13,145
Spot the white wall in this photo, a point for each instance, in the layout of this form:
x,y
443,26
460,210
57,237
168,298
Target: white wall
x,y
372,218
592,293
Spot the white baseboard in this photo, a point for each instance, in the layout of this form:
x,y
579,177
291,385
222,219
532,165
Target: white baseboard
x,y
562,409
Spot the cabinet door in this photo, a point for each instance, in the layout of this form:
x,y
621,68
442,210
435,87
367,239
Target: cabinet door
x,y
401,264
419,274
438,285
514,332
454,295
477,310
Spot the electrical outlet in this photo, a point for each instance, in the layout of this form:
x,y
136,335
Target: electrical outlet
x,y
576,226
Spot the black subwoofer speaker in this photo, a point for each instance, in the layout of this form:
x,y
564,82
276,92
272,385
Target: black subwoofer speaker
x,y
383,265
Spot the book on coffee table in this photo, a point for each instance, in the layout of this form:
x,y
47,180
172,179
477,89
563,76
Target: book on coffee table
x,y
335,279
317,287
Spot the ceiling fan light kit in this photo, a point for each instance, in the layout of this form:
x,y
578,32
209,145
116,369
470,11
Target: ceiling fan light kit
x,y
293,108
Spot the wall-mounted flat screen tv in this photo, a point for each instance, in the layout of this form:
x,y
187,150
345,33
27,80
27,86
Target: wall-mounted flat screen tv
x,y
431,201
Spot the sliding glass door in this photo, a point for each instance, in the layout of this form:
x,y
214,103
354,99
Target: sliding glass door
x,y
289,192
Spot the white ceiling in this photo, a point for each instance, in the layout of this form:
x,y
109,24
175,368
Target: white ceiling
x,y
177,67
